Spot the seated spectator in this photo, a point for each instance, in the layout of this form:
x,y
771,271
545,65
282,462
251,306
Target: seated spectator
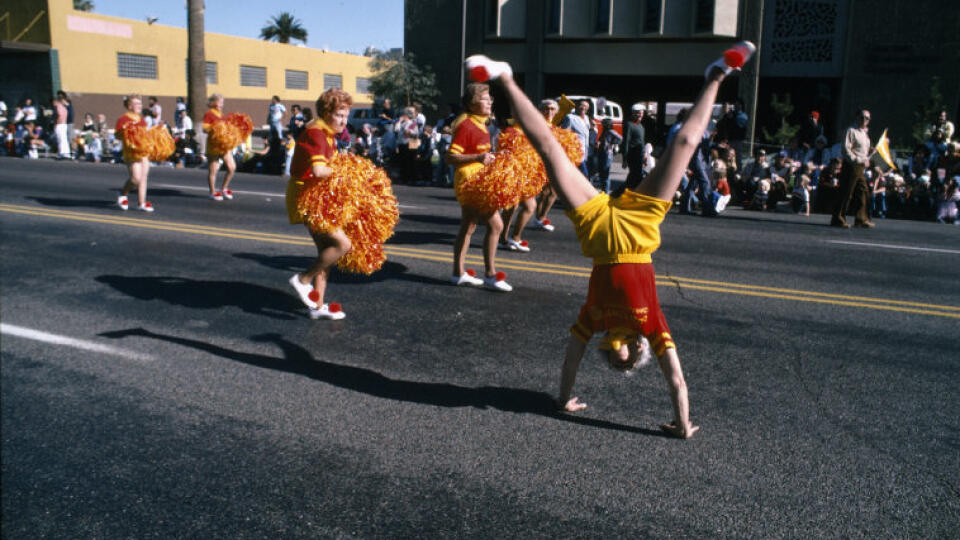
x,y
940,124
755,171
947,209
717,201
793,151
33,140
761,196
819,155
825,196
187,152
93,148
29,111
877,181
950,161
937,145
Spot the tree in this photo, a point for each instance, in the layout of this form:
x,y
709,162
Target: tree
x,y
83,5
927,111
781,109
197,62
398,77
283,28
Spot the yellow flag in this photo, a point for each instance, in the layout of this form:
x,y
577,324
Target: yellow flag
x,y
883,148
565,107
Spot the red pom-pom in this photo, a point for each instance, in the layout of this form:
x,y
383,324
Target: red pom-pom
x,y
334,307
479,74
546,221
501,276
314,296
524,243
471,272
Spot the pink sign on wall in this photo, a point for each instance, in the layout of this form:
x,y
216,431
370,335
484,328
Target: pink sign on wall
x,y
95,26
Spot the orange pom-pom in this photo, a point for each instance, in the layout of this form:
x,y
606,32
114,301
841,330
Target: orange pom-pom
x,y
136,143
223,138
161,143
357,199
517,173
242,122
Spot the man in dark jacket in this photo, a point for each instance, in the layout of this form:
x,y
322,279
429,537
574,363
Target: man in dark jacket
x,y
632,147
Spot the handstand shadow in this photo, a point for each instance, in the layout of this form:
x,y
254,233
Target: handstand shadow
x,y
390,270
196,294
299,361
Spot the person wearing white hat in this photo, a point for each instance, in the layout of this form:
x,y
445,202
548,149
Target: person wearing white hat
x,y
632,146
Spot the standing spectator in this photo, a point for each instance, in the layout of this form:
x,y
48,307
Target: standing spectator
x,y
801,193
810,130
385,116
156,111
947,210
444,173
68,103
853,183
275,116
579,122
179,113
632,149
297,121
3,108
289,147
732,127
936,146
609,141
61,131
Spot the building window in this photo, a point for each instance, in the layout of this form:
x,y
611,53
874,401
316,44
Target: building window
x,y
136,66
296,80
253,76
603,17
332,81
363,85
703,24
211,71
554,13
493,13
652,14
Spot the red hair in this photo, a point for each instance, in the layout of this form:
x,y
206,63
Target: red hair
x,y
332,100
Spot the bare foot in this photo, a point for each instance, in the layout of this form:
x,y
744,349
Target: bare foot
x,y
683,432
572,405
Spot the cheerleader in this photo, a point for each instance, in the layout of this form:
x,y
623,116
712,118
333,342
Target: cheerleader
x,y
138,166
620,234
469,152
215,150
315,147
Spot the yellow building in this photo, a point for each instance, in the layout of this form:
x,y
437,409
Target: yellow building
x,y
46,45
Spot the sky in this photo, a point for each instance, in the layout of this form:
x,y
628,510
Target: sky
x,y
338,25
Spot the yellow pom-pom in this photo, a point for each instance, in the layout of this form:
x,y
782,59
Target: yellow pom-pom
x,y
357,199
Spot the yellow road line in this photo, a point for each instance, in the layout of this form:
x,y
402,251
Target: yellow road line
x,y
511,264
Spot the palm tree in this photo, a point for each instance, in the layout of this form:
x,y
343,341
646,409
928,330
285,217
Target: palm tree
x,y
283,28
196,60
83,5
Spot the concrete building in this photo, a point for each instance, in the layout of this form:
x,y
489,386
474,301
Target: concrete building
x,y
830,55
47,46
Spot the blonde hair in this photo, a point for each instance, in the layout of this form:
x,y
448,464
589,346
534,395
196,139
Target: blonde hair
x,y
214,98
129,97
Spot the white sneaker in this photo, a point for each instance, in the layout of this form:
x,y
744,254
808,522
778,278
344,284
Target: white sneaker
x,y
521,246
123,202
146,207
228,194
545,224
733,58
497,282
216,196
331,311
483,69
467,278
304,291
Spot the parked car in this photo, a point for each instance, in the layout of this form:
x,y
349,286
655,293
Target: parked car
x,y
360,116
610,109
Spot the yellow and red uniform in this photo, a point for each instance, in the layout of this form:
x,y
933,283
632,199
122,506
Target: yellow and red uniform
x,y
127,119
619,235
315,146
211,117
470,136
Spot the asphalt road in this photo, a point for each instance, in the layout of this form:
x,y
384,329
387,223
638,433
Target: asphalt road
x,y
160,380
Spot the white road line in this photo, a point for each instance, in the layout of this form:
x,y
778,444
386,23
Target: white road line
x,y
55,339
242,192
892,246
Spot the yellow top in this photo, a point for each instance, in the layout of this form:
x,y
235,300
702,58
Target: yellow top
x,y
621,230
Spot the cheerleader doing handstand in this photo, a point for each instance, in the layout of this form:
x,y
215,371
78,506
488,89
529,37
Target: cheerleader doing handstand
x,y
619,234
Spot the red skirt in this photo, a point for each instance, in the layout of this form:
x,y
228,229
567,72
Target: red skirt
x,y
622,299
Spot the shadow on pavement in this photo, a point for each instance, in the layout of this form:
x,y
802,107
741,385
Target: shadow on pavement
x,y
400,238
431,219
298,360
390,270
75,203
196,294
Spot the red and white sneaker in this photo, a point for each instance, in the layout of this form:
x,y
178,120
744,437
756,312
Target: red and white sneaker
x,y
483,69
228,194
331,311
145,207
522,246
306,293
217,196
497,282
467,278
545,224
733,58
123,202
